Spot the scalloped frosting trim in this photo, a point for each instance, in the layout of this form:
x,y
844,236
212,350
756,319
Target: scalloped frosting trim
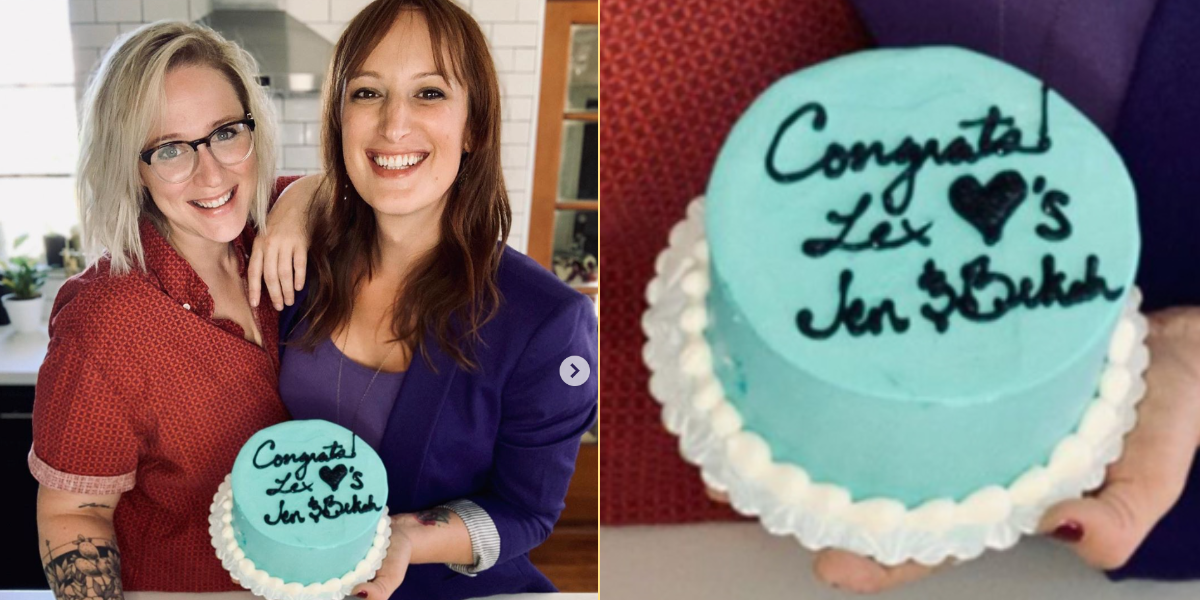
x,y
261,583
823,515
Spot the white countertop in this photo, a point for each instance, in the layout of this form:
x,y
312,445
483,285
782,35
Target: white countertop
x,y
21,354
722,561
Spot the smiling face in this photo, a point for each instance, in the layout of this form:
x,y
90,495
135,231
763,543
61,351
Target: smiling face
x,y
403,124
212,205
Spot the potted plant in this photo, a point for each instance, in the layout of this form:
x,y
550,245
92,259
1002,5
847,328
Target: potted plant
x,y
24,278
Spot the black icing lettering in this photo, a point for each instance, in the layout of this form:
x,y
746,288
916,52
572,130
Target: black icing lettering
x,y
1052,203
286,517
981,293
978,278
988,208
834,164
998,136
334,451
329,508
1010,140
880,237
958,152
863,154
269,444
933,281
332,476
296,486
913,156
818,124
356,480
853,314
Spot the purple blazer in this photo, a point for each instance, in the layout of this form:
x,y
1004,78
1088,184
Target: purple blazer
x,y
504,436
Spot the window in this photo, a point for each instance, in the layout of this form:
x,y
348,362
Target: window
x,y
39,145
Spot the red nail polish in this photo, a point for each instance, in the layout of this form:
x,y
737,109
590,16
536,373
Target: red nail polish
x,y
362,594
1069,531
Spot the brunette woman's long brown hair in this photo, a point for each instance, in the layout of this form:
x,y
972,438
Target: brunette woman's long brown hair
x,y
451,291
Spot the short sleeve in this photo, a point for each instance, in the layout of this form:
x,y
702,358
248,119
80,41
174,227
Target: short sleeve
x,y
84,439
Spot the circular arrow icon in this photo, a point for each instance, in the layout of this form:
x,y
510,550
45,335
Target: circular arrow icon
x,y
574,371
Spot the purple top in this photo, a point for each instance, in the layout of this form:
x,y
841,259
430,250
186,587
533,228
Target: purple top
x,y
1085,49
308,385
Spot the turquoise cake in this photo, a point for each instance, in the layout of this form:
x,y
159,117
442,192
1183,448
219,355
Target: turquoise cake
x,y
307,506
908,279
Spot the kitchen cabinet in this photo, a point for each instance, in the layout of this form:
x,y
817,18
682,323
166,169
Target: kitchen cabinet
x,y
22,567
569,558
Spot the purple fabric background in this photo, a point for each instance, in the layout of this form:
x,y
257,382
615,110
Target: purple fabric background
x,y
1158,136
1086,51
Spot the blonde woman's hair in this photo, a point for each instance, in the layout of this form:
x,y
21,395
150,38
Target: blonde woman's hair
x,y
123,102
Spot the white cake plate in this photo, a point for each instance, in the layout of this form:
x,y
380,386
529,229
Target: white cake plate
x,y
261,583
824,515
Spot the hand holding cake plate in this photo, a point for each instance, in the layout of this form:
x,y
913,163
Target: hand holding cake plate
x,y
301,517
1107,527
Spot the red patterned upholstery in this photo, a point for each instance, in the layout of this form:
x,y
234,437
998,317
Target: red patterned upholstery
x,y
676,75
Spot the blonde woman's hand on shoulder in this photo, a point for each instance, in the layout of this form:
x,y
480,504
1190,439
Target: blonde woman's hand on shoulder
x,y
279,258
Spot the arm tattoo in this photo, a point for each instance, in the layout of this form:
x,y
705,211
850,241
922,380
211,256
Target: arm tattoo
x,y
84,568
433,516
94,505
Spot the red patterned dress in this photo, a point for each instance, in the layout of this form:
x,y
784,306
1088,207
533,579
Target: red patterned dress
x,y
143,393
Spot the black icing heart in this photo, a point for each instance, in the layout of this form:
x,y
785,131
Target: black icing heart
x,y
333,476
988,208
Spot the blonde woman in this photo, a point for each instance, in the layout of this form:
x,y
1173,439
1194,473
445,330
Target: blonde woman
x,y
158,367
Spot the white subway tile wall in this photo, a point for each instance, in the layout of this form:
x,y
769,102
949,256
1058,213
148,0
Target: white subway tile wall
x,y
196,8
82,11
516,35
342,11
291,134
531,11
495,11
514,28
93,35
301,157
315,11
118,11
304,109
159,10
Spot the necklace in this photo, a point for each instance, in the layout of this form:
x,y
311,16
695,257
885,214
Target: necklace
x,y
342,361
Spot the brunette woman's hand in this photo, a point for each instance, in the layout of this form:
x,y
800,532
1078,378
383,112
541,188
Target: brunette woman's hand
x,y
1105,528
391,573
280,254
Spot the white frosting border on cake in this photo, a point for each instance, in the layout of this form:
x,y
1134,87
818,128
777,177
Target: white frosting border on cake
x,y
821,515
261,583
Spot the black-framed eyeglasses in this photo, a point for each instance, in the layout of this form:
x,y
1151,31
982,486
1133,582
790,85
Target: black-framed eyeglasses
x,y
229,144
